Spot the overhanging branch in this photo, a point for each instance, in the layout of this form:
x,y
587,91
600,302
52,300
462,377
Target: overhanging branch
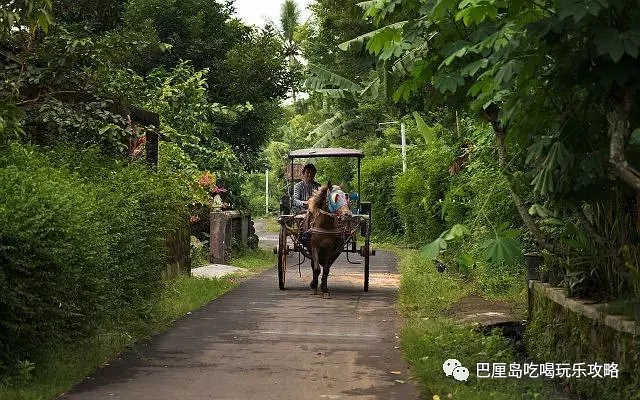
x,y
619,131
500,132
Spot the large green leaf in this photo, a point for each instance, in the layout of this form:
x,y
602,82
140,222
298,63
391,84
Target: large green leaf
x,y
543,182
474,12
558,158
508,71
465,261
326,125
440,8
404,90
502,250
383,39
324,79
425,130
458,231
472,68
578,9
615,43
432,250
456,54
448,82
330,129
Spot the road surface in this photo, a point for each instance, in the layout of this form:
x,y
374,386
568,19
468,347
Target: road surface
x,y
258,342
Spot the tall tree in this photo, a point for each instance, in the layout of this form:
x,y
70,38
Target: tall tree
x,y
289,23
335,22
559,78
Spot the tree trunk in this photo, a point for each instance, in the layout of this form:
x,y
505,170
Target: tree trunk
x,y
500,132
293,85
619,131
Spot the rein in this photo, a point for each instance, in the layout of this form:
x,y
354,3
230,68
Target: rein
x,y
332,215
343,227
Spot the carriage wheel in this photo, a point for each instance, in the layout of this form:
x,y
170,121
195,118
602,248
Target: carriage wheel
x,y
366,258
282,257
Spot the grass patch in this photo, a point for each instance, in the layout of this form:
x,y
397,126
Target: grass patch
x,y
272,224
254,260
429,338
58,369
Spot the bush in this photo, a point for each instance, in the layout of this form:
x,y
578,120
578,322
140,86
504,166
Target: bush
x,y
83,244
54,256
418,193
253,189
378,176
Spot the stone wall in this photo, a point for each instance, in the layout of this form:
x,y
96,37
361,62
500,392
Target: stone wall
x,y
567,330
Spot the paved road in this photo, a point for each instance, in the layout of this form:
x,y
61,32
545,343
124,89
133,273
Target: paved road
x,y
258,342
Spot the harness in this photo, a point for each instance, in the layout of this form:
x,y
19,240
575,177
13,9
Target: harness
x,y
336,199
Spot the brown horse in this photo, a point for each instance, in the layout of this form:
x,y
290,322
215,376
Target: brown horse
x,y
328,214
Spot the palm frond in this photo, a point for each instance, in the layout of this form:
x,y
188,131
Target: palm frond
x,y
289,16
357,43
330,83
334,79
325,126
334,133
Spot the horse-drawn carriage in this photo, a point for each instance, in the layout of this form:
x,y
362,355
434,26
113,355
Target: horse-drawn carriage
x,y
330,232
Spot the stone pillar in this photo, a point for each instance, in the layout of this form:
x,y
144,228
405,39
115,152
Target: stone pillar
x,y
219,237
244,227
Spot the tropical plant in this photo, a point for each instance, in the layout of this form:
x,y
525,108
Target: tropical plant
x,y
289,24
539,74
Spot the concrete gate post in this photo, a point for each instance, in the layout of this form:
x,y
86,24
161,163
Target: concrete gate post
x,y
218,237
244,227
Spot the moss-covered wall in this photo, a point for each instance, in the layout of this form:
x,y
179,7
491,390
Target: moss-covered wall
x,y
556,333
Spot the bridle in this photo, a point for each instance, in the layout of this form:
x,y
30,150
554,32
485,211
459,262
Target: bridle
x,y
341,219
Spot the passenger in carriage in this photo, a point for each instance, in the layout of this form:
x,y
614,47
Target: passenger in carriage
x,y
304,189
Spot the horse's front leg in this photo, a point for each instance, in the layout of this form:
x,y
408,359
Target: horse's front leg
x,y
325,275
315,268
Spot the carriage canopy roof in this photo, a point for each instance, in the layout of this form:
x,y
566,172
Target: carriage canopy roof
x,y
325,152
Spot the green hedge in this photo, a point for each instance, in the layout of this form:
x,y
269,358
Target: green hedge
x,y
378,176
53,256
83,244
419,191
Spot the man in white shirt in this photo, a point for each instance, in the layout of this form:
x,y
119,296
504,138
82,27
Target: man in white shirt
x,y
303,190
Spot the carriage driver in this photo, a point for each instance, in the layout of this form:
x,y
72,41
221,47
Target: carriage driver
x,y
303,190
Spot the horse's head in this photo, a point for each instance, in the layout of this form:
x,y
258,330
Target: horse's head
x,y
338,202
331,199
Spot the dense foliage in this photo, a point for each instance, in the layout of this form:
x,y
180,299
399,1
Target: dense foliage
x,y
544,99
557,82
83,244
87,226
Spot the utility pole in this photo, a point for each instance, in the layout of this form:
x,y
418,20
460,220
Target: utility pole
x,y
266,191
403,138
404,147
